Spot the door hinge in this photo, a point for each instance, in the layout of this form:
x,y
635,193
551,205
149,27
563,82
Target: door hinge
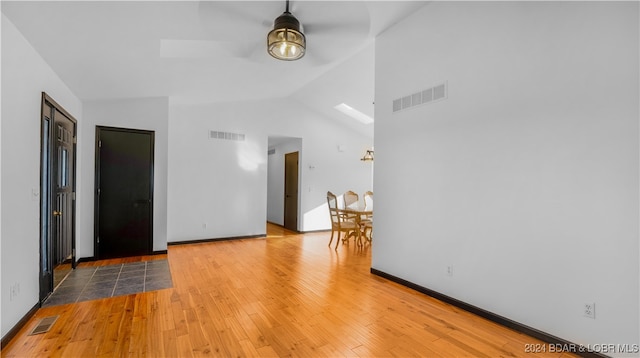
x,y
75,140
98,191
98,239
100,143
73,196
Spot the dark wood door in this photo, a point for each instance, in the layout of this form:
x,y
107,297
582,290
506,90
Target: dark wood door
x,y
46,211
63,159
291,191
57,192
124,192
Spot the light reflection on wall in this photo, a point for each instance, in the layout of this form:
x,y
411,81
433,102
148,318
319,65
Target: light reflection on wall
x,y
250,156
317,218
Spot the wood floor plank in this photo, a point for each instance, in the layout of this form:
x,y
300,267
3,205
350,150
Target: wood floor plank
x,y
267,351
183,346
286,295
169,344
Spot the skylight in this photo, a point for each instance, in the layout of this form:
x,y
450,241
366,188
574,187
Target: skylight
x,y
354,113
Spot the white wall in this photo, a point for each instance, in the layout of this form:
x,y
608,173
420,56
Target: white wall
x,y
526,178
25,75
218,188
275,178
145,114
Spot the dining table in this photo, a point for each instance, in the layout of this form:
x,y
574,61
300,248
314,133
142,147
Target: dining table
x,y
356,214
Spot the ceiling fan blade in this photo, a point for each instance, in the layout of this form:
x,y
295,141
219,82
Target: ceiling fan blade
x,y
315,58
258,53
332,15
237,20
189,48
336,28
248,11
325,46
206,48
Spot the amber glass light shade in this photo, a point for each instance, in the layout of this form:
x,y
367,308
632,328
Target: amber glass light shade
x,y
285,41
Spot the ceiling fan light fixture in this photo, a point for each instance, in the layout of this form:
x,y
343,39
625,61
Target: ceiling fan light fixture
x,y
286,41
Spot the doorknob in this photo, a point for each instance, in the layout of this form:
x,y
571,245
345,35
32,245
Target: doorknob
x,y
57,213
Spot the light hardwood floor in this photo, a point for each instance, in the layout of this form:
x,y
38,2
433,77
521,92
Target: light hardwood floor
x,y
286,295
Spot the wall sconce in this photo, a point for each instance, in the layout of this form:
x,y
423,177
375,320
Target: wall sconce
x,y
368,157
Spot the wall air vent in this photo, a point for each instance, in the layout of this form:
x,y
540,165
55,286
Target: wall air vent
x,y
271,151
397,105
227,136
429,95
439,92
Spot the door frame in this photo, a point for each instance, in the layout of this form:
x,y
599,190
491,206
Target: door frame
x,y
297,201
96,201
47,186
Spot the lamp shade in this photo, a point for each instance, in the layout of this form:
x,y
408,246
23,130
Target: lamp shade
x,y
285,41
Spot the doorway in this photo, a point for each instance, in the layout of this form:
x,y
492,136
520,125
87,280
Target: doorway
x,y
124,192
291,191
57,194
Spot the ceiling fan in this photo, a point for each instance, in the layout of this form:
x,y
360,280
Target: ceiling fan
x,y
319,33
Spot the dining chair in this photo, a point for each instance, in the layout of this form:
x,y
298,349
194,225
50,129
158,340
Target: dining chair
x,y
368,200
367,220
339,223
350,199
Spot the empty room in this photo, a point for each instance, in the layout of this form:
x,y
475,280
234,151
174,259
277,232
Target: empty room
x,y
196,178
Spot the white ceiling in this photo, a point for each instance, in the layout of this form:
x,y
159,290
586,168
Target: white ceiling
x,y
209,51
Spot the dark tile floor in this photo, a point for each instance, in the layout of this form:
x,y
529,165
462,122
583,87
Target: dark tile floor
x,y
60,272
91,283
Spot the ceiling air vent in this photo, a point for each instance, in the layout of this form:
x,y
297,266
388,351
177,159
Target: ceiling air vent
x,y
238,137
429,95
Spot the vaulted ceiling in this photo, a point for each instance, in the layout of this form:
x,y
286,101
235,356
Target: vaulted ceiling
x,y
209,51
